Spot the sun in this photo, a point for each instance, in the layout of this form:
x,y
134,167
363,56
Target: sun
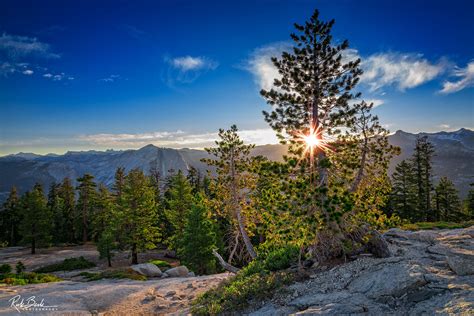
x,y
312,140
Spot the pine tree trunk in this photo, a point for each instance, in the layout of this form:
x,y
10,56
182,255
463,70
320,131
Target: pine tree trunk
x,y
33,239
12,235
245,237
84,219
236,244
134,254
109,261
360,172
237,210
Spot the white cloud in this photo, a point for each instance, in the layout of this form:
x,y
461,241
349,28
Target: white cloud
x,y
58,77
176,139
20,54
445,126
189,63
466,79
111,78
186,69
15,47
261,66
376,102
7,68
402,70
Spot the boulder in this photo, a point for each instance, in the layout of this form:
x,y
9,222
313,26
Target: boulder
x,y
461,261
180,271
392,280
147,269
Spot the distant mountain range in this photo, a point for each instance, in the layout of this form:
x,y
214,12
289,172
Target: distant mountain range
x,y
454,158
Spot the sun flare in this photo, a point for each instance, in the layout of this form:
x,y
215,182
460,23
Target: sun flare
x,y
311,140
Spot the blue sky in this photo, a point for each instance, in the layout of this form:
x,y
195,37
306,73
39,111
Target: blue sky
x,y
78,75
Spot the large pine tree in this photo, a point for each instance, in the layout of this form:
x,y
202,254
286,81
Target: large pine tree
x,y
10,219
421,160
139,215
85,204
67,195
338,142
36,224
55,206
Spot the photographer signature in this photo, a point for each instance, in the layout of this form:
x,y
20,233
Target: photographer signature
x,y
30,303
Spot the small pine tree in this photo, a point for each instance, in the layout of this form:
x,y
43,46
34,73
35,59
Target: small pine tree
x,y
199,239
447,201
105,246
178,200
105,216
20,267
36,224
403,198
195,179
10,219
469,203
119,183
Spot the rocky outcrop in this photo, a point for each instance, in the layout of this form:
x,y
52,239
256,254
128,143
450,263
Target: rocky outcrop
x,y
430,272
147,269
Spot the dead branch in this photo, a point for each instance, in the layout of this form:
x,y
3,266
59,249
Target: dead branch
x,y
224,264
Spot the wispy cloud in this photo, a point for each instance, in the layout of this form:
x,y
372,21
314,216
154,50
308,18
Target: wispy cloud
x,y
187,69
111,78
445,126
466,79
174,139
260,65
58,77
21,54
376,102
400,70
189,63
8,68
16,47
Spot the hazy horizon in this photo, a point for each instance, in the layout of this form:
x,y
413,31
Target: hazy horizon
x,y
208,143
